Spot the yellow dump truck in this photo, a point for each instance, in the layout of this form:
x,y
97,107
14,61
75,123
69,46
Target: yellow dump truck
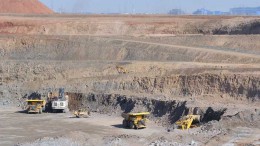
x,y
135,120
187,122
35,106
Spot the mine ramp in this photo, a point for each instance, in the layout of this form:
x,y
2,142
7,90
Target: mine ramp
x,y
135,120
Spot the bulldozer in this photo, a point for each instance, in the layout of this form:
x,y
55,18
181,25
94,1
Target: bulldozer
x,y
35,106
187,122
81,113
135,120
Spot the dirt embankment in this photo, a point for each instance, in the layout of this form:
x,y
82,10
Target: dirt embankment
x,y
100,48
129,25
20,78
238,86
23,7
163,112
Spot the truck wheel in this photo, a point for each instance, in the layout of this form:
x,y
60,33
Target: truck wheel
x,y
142,122
125,123
40,111
65,110
131,125
43,109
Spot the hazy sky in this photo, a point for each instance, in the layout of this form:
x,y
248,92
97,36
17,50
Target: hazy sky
x,y
144,6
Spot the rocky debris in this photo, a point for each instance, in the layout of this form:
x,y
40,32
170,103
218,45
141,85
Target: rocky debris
x,y
123,139
249,27
74,138
246,116
47,141
210,129
124,136
19,78
164,142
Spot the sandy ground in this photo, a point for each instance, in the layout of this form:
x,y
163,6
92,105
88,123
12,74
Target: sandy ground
x,y
34,126
64,129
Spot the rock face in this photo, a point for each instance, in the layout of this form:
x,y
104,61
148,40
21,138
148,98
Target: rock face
x,y
24,7
162,111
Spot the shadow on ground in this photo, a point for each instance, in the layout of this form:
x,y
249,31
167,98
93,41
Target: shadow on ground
x,y
118,126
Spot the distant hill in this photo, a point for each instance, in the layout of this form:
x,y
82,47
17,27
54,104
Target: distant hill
x,y
24,7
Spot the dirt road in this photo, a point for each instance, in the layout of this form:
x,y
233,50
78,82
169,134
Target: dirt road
x,y
22,127
64,129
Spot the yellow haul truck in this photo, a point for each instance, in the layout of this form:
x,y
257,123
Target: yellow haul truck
x,y
35,106
135,120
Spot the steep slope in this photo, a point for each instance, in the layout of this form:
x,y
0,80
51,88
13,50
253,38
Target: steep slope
x,y
24,7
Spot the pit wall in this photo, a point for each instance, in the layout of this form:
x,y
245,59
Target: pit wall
x,y
18,78
237,86
162,112
129,25
65,48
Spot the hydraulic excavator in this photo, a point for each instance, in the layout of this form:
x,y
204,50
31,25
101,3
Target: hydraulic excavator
x,y
188,122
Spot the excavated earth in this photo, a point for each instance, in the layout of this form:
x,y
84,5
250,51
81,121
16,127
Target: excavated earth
x,y
24,7
168,65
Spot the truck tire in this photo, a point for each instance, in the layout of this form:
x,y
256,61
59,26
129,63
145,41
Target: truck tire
x,y
65,110
142,122
124,123
43,109
131,125
40,111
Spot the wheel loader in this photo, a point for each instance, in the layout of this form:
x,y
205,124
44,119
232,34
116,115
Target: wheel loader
x,y
35,106
81,113
188,122
135,120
